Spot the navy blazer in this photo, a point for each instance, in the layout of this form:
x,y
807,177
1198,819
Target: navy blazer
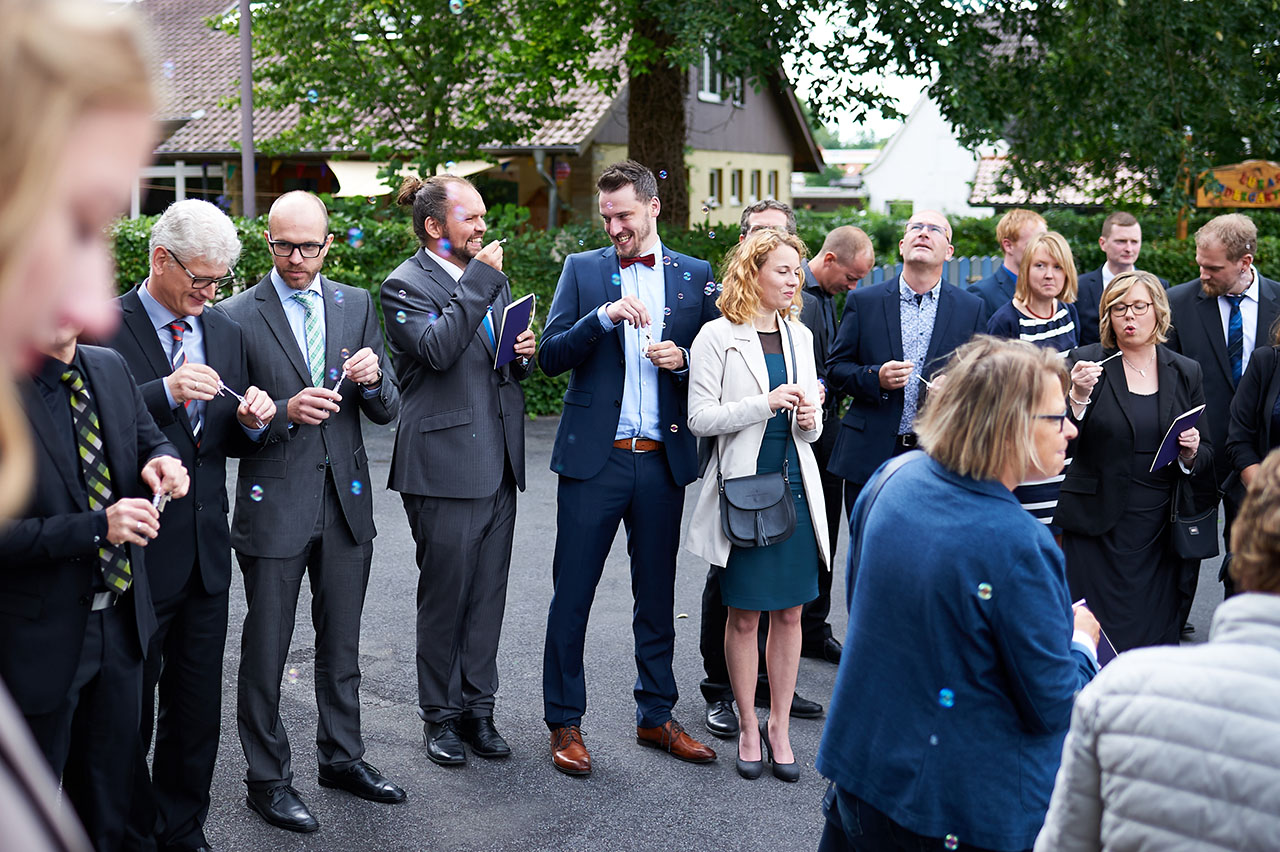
x,y
871,334
1088,303
995,291
1249,437
49,555
574,340
194,530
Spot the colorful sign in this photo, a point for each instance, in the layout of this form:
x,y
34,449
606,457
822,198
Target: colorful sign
x,y
1253,183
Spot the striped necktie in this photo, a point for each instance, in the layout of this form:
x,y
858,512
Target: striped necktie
x,y
178,357
97,478
1235,339
488,326
314,334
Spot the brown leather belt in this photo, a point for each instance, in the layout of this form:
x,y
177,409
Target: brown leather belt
x,y
638,445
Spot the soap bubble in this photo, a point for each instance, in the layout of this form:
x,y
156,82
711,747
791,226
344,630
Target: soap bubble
x,y
946,698
402,294
445,248
312,95
450,164
455,6
617,280
255,493
933,739
984,591
355,236
666,311
582,242
666,260
706,209
719,287
431,317
292,675
709,289
345,353
400,317
662,175
337,296
687,276
675,428
681,295
711,234
952,842
333,374
356,487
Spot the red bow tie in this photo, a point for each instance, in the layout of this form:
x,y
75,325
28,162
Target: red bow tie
x,y
646,259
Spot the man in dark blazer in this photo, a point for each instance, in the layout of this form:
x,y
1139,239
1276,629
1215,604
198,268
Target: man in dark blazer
x,y
76,616
1014,230
622,321
1230,291
304,506
459,457
892,336
181,354
1121,242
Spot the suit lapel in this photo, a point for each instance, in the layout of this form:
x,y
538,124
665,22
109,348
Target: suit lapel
x,y
220,355
893,318
1167,391
604,290
1118,387
941,325
138,323
273,313
335,320
110,402
1268,310
752,352
42,425
1211,319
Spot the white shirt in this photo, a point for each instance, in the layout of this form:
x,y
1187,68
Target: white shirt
x,y
1248,317
455,271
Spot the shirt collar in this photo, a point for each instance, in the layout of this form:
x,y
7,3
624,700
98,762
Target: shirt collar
x,y
159,315
1250,292
51,369
285,292
905,291
450,267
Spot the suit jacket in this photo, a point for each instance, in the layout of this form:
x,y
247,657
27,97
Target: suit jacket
x,y
871,334
461,421
1249,437
279,488
995,290
49,556
194,529
1088,303
1197,333
729,402
816,302
1095,490
574,340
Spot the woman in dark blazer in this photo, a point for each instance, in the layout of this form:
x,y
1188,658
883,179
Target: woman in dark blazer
x,y
1255,416
1114,511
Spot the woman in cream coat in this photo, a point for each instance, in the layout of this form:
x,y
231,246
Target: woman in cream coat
x,y
753,386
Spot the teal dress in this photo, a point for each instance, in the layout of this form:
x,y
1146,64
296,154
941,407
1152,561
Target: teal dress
x,y
781,575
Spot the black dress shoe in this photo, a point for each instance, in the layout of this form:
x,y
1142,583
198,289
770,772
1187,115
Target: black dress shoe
x,y
721,720
361,779
828,649
281,807
801,708
483,737
444,746
1188,629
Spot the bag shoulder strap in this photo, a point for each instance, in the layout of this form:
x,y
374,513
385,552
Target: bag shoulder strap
x,y
794,380
859,521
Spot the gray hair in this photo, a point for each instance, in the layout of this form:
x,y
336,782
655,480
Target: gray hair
x,y
197,229
767,204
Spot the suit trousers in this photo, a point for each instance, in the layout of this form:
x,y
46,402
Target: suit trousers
x,y
91,740
638,490
171,797
464,555
338,566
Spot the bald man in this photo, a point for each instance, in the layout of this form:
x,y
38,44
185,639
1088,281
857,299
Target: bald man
x,y
304,506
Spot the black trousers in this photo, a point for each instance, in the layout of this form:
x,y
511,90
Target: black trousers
x,y
91,740
171,797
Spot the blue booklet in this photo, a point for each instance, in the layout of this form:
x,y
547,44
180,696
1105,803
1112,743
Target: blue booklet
x,y
1169,446
516,317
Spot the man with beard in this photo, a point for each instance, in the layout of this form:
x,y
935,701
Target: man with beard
x,y
459,456
622,320
1121,242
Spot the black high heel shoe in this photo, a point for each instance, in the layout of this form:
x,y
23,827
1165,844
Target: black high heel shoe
x,y
750,769
782,771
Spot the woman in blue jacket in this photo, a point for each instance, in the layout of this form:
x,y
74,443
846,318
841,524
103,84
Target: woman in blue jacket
x,y
963,654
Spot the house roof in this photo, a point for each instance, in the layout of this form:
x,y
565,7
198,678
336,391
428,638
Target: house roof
x,y
1085,191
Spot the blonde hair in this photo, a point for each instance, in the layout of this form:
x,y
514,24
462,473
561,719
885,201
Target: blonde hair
x,y
1013,223
1056,245
1255,537
739,302
1117,289
983,419
1235,231
58,60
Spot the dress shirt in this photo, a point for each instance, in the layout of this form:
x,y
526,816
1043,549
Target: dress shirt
x,y
296,314
1107,274
639,415
1248,317
917,316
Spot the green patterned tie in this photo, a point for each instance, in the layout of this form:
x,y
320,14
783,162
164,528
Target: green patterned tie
x,y
97,478
315,334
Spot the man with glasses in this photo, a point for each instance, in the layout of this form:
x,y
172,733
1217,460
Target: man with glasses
x,y
892,338
304,506
182,355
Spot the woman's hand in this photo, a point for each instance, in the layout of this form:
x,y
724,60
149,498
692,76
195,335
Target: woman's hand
x,y
1189,441
807,416
1084,375
786,397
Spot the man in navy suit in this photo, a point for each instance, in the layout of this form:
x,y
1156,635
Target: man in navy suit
x,y
623,319
1014,230
1121,242
893,335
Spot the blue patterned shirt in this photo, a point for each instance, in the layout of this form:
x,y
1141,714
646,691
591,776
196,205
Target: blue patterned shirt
x,y
918,313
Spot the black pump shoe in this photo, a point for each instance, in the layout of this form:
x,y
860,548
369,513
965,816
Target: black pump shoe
x,y
782,771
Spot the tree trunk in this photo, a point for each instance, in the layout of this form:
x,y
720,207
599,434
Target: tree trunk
x,y
657,124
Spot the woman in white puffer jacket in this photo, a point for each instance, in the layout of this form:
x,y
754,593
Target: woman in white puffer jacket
x,y
1179,748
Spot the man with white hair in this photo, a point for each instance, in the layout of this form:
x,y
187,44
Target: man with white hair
x,y
182,355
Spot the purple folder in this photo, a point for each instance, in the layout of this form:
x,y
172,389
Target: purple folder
x,y
1169,446
515,319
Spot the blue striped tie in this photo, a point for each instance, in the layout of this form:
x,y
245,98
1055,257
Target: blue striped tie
x,y
1235,339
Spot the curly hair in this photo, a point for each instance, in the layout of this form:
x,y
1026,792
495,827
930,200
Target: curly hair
x,y
739,301
1255,535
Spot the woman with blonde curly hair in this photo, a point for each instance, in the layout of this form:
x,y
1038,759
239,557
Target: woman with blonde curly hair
x,y
753,386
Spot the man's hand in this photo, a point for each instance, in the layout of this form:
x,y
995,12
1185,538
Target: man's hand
x,y
362,368
491,254
526,345
1084,620
257,410
665,355
166,475
895,374
132,520
628,308
193,381
312,406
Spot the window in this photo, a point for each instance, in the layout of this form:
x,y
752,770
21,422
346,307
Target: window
x,y
714,87
773,184
715,197
754,195
735,187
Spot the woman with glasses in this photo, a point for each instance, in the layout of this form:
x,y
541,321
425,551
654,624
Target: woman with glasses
x,y
964,652
1126,391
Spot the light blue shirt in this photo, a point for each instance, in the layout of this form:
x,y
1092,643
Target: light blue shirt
x,y
296,314
639,417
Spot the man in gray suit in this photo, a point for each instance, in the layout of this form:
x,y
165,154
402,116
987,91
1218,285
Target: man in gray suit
x,y
304,506
459,456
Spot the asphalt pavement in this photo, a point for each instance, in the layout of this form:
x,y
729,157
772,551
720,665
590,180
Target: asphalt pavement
x,y
635,799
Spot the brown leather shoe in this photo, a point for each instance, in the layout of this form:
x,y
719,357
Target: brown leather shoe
x,y
568,751
671,737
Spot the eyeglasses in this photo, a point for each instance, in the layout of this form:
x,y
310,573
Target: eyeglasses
x,y
198,282
284,248
917,227
1061,418
1139,308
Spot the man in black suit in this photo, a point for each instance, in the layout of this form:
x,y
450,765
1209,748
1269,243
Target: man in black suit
x,y
1014,230
182,355
1219,319
1121,242
893,336
76,616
